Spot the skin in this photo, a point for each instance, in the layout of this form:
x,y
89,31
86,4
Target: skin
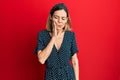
x,y
59,20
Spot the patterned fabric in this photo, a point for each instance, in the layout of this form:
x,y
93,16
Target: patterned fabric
x,y
58,63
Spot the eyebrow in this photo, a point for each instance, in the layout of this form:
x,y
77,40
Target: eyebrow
x,y
59,16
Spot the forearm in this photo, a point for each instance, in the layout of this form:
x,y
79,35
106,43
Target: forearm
x,y
76,69
45,53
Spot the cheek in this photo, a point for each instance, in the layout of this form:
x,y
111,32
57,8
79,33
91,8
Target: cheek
x,y
64,22
54,20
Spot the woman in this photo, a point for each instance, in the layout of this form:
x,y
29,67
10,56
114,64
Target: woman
x,y
57,46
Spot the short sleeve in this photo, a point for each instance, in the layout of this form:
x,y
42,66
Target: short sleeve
x,y
74,48
40,43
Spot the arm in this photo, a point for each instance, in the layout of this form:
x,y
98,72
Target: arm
x,y
75,66
45,53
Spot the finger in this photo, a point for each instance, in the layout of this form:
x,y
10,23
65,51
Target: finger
x,y
55,29
53,25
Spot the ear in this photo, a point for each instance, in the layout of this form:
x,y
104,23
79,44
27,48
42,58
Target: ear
x,y
50,17
67,18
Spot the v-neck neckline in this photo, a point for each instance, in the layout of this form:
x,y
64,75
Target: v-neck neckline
x,y
58,50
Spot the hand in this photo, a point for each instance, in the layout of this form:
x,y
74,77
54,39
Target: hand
x,y
54,33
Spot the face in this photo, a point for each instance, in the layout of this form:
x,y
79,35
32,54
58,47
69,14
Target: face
x,y
60,18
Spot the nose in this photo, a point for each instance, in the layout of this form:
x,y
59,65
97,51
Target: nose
x,y
59,20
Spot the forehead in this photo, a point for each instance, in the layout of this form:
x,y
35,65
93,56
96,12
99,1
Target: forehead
x,y
60,13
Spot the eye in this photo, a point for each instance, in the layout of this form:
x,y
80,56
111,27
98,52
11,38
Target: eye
x,y
55,17
63,18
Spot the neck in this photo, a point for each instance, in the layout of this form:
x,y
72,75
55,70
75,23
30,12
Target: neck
x,y
59,31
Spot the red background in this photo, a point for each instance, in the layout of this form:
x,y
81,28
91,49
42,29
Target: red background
x,y
95,22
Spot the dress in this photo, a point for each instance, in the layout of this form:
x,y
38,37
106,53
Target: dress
x,y
58,65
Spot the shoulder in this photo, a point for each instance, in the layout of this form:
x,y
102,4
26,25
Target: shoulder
x,y
70,33
42,32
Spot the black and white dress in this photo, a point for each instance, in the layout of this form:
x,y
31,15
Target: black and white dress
x,y
58,65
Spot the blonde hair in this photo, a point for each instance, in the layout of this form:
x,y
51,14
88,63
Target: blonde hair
x,y
56,7
68,25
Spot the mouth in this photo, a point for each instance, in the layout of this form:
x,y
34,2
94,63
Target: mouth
x,y
59,25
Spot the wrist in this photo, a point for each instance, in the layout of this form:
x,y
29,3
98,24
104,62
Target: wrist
x,y
53,39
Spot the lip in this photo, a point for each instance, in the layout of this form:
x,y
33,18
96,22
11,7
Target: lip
x,y
59,25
